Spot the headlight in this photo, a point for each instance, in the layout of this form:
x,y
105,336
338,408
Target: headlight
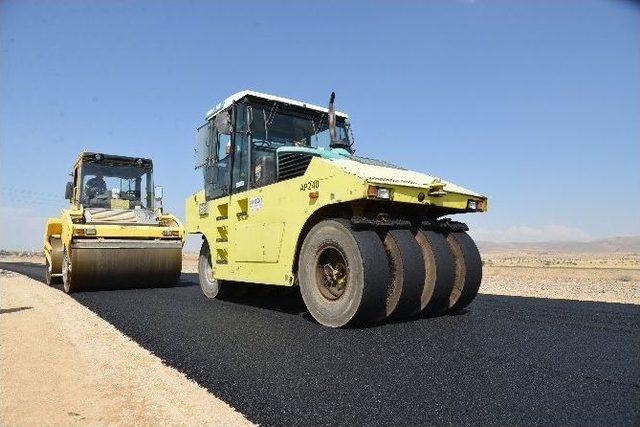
x,y
383,193
472,205
89,231
379,192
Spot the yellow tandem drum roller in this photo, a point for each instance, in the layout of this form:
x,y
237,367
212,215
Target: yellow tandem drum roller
x,y
115,233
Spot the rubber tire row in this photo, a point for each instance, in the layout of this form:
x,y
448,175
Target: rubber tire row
x,y
393,274
426,272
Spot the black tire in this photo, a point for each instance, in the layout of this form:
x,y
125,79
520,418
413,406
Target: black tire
x,y
407,273
69,284
209,285
55,266
439,271
468,265
48,278
343,274
47,272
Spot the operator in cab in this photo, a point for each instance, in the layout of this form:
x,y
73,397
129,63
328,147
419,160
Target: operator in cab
x,y
95,186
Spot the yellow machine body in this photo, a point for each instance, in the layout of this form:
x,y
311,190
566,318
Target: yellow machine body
x,y
255,235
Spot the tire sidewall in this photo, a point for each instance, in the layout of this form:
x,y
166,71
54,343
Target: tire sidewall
x,y
47,272
339,312
66,275
209,285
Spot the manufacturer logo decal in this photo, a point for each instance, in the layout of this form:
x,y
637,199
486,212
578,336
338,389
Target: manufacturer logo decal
x,y
255,203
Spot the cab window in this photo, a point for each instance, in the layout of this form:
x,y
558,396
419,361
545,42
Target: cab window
x,y
239,174
213,155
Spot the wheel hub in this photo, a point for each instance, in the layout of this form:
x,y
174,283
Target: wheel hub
x,y
332,273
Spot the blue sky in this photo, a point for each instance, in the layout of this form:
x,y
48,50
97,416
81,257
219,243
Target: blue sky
x,y
536,104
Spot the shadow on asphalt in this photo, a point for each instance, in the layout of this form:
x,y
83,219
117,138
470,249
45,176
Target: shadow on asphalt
x,y
284,299
506,361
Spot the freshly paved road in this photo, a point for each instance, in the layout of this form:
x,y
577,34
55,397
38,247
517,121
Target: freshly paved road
x,y
508,360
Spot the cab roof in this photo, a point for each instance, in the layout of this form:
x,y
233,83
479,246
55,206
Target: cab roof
x,y
88,155
239,95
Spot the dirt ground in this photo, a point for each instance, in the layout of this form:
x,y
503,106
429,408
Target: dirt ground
x,y
62,365
604,277
604,285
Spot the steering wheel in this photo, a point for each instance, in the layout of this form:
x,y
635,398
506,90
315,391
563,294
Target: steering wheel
x,y
131,194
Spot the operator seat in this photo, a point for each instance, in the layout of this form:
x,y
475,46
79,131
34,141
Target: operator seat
x,y
267,170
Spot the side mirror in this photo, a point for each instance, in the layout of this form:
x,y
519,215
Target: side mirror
x,y
157,191
68,192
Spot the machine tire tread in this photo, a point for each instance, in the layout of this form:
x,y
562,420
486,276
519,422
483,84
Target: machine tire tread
x,y
407,273
440,271
472,265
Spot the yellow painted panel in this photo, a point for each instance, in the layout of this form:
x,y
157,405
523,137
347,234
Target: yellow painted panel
x,y
119,204
257,242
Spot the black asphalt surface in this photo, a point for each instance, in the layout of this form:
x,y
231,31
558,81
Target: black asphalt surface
x,y
506,361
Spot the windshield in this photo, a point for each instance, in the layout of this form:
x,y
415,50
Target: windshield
x,y
116,185
274,125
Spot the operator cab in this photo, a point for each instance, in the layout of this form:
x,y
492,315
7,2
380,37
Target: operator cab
x,y
253,139
112,182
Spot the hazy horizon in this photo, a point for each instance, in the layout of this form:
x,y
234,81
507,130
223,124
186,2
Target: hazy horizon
x,y
192,247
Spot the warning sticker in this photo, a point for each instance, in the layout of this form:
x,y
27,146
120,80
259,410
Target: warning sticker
x,y
255,203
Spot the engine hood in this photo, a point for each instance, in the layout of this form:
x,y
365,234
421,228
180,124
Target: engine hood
x,y
120,216
378,173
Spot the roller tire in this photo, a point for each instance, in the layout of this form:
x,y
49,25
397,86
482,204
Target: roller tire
x,y
69,284
407,273
55,267
209,285
48,278
366,278
468,266
439,271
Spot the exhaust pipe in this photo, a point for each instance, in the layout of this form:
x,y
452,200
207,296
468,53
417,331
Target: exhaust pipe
x,y
334,143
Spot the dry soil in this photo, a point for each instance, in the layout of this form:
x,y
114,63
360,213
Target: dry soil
x,y
62,364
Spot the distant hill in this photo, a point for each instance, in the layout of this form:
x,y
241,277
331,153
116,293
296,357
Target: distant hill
x,y
626,245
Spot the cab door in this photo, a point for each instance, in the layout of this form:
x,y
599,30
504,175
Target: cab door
x,y
213,156
256,236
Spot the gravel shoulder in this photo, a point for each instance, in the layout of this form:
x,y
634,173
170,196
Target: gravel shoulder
x,y
62,364
580,284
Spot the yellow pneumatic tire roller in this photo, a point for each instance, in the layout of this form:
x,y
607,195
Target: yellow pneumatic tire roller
x,y
120,264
